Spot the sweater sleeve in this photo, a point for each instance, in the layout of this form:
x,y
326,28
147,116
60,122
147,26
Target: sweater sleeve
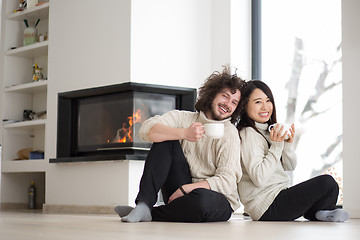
x,y
289,159
173,118
259,161
228,169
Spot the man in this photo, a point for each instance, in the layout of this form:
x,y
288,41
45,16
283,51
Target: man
x,y
197,175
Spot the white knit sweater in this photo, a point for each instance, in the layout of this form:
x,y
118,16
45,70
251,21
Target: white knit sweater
x,y
264,173
215,160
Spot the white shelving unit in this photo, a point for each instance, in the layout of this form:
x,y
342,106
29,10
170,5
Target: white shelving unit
x,y
41,11
21,93
26,124
30,51
32,87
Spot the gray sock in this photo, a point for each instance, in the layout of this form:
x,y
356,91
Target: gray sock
x,y
141,213
337,215
123,210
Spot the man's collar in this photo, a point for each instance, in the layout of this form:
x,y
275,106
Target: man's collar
x,y
204,119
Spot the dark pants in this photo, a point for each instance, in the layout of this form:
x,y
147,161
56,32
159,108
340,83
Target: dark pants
x,y
304,199
166,168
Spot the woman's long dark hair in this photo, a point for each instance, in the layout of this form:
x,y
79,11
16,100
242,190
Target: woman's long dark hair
x,y
245,120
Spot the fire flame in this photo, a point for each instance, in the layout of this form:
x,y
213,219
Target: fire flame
x,y
124,134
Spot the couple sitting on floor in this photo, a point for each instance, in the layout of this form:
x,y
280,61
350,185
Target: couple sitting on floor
x,y
201,178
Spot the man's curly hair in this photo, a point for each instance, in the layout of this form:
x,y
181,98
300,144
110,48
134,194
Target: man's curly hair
x,y
214,84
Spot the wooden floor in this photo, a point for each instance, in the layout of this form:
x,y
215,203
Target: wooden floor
x,y
35,225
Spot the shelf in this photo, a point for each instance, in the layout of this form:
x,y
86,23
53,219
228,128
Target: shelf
x,y
26,124
30,51
32,87
17,166
41,11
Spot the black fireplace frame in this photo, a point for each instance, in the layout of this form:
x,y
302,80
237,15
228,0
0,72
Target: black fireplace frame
x,y
67,109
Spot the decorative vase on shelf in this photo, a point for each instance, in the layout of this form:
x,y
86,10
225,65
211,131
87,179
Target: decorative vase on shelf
x,y
30,36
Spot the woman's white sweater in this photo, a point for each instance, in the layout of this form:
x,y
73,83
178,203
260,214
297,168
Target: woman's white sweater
x,y
263,169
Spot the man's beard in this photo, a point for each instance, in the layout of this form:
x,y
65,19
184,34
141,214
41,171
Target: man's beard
x,y
217,117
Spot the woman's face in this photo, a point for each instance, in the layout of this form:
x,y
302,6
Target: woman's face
x,y
259,107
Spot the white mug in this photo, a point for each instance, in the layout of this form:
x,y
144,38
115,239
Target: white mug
x,y
214,130
287,128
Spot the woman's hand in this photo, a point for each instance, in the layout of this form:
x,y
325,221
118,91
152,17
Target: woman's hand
x,y
275,133
292,134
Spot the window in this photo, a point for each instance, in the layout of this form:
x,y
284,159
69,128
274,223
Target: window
x,y
301,62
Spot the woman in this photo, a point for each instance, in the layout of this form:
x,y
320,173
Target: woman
x,y
265,188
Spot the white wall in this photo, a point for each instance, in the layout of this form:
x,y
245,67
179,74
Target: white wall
x,y
221,37
2,49
351,89
187,40
89,46
241,37
171,42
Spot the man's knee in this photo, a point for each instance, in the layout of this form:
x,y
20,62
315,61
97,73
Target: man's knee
x,y
202,198
211,205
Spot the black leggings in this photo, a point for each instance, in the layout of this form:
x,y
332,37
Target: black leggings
x,y
166,168
304,199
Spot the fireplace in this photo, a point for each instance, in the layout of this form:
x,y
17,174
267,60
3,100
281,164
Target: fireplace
x,y
103,123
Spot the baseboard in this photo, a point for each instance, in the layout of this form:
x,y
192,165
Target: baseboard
x,y
76,209
354,213
13,206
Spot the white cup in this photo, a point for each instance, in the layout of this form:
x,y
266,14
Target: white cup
x,y
287,128
214,130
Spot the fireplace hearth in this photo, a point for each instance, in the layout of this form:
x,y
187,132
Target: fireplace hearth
x,y
102,123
